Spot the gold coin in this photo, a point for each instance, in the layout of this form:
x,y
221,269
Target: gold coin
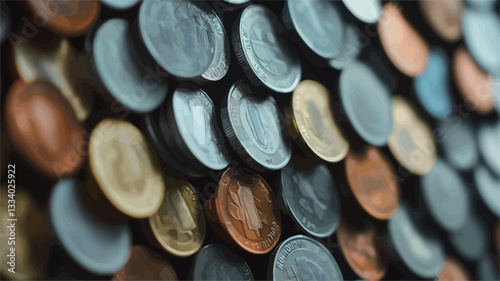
x,y
179,225
412,141
311,120
124,168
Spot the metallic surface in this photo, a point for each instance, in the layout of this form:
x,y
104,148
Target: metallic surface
x,y
368,11
458,142
444,17
145,264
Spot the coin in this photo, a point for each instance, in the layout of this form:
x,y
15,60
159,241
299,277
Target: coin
x,y
366,102
471,242
254,129
487,269
119,68
245,208
216,262
488,187
481,5
405,48
351,47
489,147
262,53
303,258
318,23
451,270
219,66
179,224
367,11
120,5
5,22
372,179
312,120
145,264
124,169
444,18
310,197
411,142
458,143
44,129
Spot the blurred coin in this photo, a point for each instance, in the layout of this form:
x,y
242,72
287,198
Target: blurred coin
x,y
303,258
261,51
216,262
124,169
444,17
458,142
406,49
4,21
487,269
237,2
372,179
312,120
367,11
98,246
310,198
471,242
44,129
452,270
145,264
481,5
244,207
488,187
411,142
179,224
351,47
366,102
254,129
120,4
489,145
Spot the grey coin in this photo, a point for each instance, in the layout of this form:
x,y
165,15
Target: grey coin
x,y
311,199
421,252
319,24
488,188
489,145
4,21
254,129
457,139
367,103
120,70
481,5
302,258
220,63
487,270
180,35
471,242
120,4
216,262
237,2
261,51
368,11
351,47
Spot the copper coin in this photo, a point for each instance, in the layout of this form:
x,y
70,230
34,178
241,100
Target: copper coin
x,y
373,181
444,17
452,270
145,264
406,49
363,250
245,208
44,129
66,17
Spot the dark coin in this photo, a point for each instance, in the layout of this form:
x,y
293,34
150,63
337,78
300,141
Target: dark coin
x,y
4,22
458,143
145,264
488,187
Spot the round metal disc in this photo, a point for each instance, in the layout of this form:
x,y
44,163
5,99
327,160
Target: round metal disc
x,y
368,11
489,145
458,142
471,242
488,188
120,4
351,47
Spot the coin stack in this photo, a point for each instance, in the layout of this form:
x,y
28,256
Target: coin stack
x,y
250,140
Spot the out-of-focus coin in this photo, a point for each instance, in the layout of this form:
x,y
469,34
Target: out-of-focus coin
x,y
488,188
365,10
366,102
406,49
124,169
254,129
489,145
4,21
363,248
262,53
458,142
179,224
310,198
444,17
372,179
487,269
118,67
216,262
421,252
471,242
244,207
44,129
452,270
351,47
98,246
411,142
237,2
120,4
145,264
66,17
303,258
318,23
481,5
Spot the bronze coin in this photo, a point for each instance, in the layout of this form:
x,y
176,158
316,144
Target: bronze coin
x,y
444,17
452,270
44,129
372,179
245,208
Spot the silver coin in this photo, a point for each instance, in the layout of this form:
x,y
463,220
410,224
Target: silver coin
x,y
471,242
254,129
489,145
488,188
216,262
265,58
368,11
120,4
303,258
457,139
351,47
220,64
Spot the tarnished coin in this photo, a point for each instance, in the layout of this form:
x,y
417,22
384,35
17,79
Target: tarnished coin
x,y
312,120
302,258
365,10
179,224
120,5
351,47
489,145
145,264
216,262
124,169
471,242
452,270
254,129
488,187
444,17
412,142
261,51
458,142
244,207
310,198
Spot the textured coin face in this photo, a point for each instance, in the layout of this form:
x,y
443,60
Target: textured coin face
x,y
179,224
488,187
489,146
180,35
222,53
254,129
365,10
124,168
444,17
303,258
451,270
262,51
311,199
458,142
145,264
313,120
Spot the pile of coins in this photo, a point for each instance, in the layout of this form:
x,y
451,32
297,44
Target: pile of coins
x,y
250,140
